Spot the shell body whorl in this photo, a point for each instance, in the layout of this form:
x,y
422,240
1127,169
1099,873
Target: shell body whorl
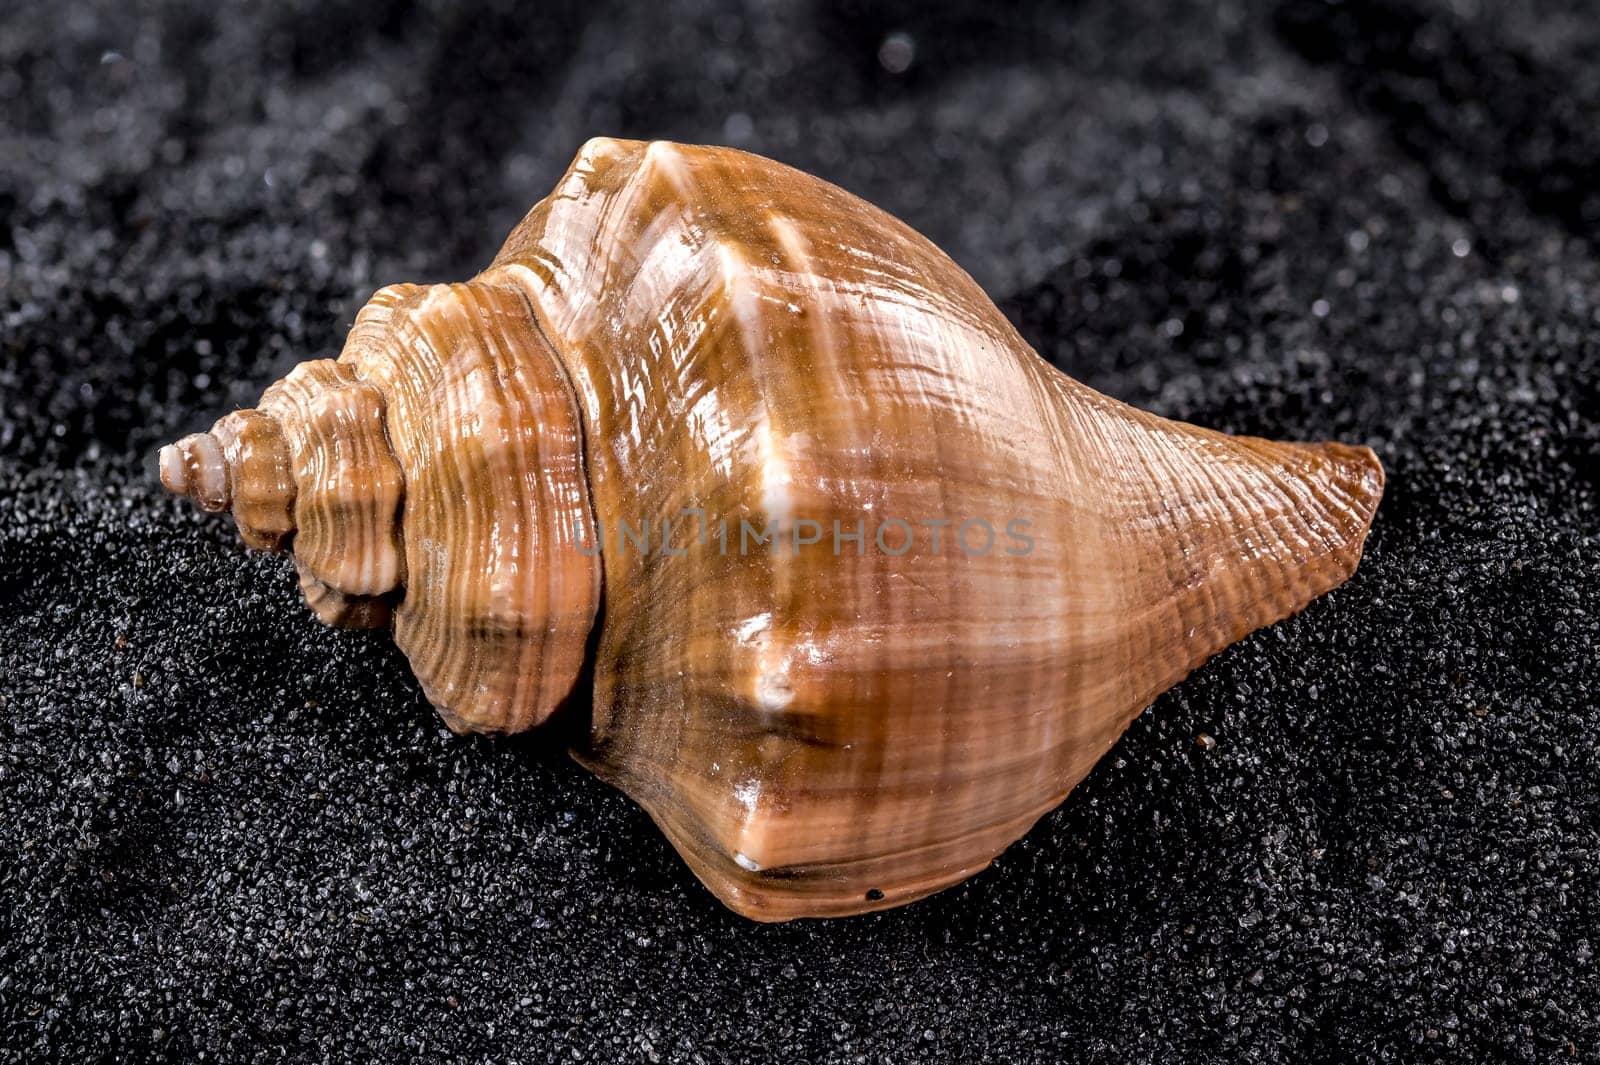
x,y
875,698
822,731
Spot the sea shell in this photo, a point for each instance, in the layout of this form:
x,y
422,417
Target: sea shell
x,y
551,480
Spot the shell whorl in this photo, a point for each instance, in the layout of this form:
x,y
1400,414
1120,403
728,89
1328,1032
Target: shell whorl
x,y
196,467
241,465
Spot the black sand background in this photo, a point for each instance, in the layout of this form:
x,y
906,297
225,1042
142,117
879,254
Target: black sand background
x,y
229,834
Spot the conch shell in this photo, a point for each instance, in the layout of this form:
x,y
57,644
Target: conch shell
x,y
853,584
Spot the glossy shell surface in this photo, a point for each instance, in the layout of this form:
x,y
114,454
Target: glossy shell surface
x,y
846,585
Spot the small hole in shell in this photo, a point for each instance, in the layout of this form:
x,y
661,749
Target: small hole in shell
x,y
873,894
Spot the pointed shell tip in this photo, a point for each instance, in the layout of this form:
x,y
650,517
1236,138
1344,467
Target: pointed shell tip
x,y
170,463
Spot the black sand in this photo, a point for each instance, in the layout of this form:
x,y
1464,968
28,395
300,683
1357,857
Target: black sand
x,y
227,833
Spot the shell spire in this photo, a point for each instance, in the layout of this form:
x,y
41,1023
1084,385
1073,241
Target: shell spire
x,y
430,478
308,470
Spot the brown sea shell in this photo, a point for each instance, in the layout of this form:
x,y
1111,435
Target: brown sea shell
x,y
560,470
